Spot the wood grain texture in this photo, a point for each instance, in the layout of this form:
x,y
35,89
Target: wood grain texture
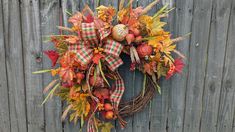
x,y
159,105
50,18
197,64
71,6
4,99
91,3
181,26
113,3
31,36
14,64
227,95
128,77
141,121
215,59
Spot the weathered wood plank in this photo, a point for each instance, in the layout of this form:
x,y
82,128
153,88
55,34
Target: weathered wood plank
x,y
227,95
91,3
128,77
71,6
141,120
50,18
4,99
216,53
31,36
14,64
197,64
113,3
182,25
159,107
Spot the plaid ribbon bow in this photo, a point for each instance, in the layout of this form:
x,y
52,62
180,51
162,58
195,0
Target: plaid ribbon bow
x,y
91,40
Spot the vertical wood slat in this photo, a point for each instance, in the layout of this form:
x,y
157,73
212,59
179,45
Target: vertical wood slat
x,y
129,91
14,64
227,95
182,25
140,121
50,18
216,53
128,77
91,3
31,36
197,64
70,6
113,3
4,99
159,105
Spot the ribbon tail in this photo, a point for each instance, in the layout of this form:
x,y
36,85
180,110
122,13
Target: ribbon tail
x,y
116,96
91,126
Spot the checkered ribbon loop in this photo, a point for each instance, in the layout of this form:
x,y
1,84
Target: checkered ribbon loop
x,y
90,40
119,89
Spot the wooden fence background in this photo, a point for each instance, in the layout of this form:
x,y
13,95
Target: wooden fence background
x,y
202,99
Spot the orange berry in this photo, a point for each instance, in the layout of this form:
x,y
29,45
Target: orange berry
x,y
109,115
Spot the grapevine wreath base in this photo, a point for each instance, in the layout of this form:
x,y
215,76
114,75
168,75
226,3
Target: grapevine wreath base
x,y
85,62
139,102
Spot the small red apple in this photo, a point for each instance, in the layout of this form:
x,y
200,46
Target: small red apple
x,y
136,32
108,107
130,38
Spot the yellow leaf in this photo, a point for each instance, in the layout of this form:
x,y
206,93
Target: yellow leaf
x,y
106,127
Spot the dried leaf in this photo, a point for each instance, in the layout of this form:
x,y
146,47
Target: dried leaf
x,y
53,56
149,7
105,127
65,113
50,93
42,71
50,85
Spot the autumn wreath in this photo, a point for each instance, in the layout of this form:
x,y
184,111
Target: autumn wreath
x,y
87,77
